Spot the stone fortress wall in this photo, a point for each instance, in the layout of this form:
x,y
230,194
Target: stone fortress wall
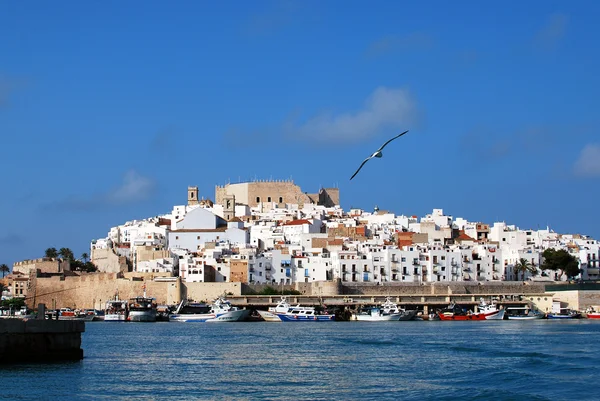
x,y
94,289
277,191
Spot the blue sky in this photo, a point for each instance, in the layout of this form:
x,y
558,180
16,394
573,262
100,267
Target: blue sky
x,y
109,110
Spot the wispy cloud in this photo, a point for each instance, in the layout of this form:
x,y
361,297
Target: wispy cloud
x,y
552,32
11,239
396,43
384,108
133,188
588,163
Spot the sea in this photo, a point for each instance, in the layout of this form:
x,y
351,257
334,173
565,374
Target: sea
x,y
414,360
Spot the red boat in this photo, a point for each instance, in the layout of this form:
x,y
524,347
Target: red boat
x,y
455,312
592,313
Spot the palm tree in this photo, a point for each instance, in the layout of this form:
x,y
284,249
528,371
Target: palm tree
x,y
66,254
4,269
85,257
523,266
51,253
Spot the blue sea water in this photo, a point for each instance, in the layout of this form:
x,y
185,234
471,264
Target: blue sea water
x,y
490,360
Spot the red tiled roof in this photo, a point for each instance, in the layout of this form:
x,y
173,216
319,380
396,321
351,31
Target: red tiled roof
x,y
297,222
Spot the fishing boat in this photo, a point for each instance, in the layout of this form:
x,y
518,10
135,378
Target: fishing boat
x,y
387,311
268,316
564,313
142,309
490,310
220,310
592,313
523,313
288,313
74,314
455,312
116,310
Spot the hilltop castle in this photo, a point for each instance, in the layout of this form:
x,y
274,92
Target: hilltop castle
x,y
276,192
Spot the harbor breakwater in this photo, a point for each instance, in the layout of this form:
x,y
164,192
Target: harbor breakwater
x,y
40,340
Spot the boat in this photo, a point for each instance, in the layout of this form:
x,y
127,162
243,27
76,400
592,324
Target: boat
x,y
523,313
289,313
70,314
220,310
592,313
387,311
455,312
142,309
268,316
564,313
491,310
116,310
163,313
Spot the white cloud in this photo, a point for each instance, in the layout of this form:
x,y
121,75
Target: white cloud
x,y
384,108
588,163
134,188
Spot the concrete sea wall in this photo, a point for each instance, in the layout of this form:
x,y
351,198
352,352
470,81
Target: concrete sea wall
x,y
40,340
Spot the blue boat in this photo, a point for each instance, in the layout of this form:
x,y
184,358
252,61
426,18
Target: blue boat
x,y
288,313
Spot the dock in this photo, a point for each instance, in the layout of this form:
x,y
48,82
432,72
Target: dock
x,y
40,340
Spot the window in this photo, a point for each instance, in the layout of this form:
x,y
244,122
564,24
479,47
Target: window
x,y
280,199
269,199
258,199
177,237
198,237
403,259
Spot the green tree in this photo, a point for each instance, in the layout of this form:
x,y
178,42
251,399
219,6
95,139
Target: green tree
x,y
85,257
4,269
561,261
51,253
523,266
66,254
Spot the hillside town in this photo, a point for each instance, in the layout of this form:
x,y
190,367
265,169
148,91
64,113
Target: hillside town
x,y
272,232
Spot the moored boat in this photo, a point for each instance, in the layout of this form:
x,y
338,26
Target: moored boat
x,y
220,310
455,312
564,313
288,313
491,310
116,310
523,313
592,313
142,309
387,311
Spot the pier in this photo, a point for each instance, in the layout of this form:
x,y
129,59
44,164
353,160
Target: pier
x,y
40,340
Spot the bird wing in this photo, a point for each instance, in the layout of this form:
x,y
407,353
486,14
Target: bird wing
x,y
397,136
361,165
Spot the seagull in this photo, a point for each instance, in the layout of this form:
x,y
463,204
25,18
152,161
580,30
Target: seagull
x,y
377,153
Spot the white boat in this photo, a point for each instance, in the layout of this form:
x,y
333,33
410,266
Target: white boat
x,y
387,311
523,313
268,316
490,311
142,309
116,310
70,314
219,311
288,313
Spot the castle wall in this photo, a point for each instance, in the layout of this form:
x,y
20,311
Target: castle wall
x,y
279,192
108,262
43,265
93,290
